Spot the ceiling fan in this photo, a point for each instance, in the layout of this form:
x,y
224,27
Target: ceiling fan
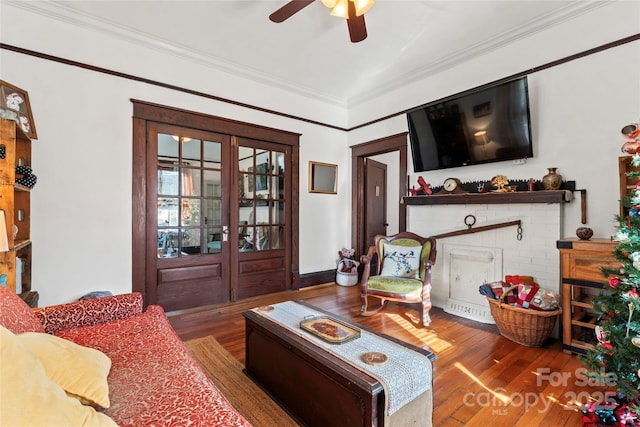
x,y
351,10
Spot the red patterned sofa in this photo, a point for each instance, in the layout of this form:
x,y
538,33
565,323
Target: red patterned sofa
x,y
153,379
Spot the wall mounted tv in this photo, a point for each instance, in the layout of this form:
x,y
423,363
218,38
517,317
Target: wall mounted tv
x,y
488,124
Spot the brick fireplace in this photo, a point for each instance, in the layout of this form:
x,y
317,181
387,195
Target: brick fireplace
x,y
466,261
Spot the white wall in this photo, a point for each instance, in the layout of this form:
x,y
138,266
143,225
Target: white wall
x,y
81,206
578,108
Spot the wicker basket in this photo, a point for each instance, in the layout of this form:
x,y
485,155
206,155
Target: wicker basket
x,y
525,326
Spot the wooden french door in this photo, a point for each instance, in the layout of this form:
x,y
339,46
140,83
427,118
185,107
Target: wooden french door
x,y
189,229
214,208
262,217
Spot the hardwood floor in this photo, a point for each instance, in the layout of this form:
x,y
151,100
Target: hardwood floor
x,y
480,378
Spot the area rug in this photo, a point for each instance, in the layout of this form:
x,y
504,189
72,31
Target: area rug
x,y
226,373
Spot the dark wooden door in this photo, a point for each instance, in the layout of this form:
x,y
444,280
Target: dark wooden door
x,y
262,217
375,200
188,231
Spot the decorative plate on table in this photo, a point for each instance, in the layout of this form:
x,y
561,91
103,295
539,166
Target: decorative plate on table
x,y
374,358
331,330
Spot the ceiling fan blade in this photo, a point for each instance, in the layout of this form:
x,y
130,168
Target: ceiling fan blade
x,y
289,9
356,25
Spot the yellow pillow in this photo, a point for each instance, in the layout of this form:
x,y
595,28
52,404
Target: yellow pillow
x,y
81,371
29,397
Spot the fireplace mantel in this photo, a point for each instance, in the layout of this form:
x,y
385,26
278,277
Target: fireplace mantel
x,y
544,196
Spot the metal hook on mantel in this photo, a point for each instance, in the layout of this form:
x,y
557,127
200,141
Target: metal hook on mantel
x,y
470,220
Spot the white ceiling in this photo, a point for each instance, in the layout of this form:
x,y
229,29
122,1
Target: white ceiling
x,y
311,52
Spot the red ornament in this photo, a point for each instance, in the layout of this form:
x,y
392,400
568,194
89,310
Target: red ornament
x,y
613,283
633,293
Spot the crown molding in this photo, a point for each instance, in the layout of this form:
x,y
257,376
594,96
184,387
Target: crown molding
x,y
68,15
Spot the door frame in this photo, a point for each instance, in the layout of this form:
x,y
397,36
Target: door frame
x,y
359,152
144,112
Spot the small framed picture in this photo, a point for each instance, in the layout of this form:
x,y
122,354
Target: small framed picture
x,y
15,99
323,178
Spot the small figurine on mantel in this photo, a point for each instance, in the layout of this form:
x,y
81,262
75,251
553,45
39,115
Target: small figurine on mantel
x,y
499,181
423,190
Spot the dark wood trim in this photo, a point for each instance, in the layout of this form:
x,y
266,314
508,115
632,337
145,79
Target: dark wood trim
x,y
295,215
195,120
359,152
139,209
546,196
317,278
159,84
72,63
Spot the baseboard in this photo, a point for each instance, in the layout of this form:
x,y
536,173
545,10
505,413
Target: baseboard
x,y
317,278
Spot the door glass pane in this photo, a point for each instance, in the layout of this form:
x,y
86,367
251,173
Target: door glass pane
x,y
246,215
212,211
168,211
276,237
243,187
214,239
191,182
167,243
212,183
168,147
262,213
190,212
277,213
190,241
245,158
278,162
277,184
191,152
212,153
168,177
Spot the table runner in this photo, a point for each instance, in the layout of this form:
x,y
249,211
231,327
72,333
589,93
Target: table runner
x,y
405,375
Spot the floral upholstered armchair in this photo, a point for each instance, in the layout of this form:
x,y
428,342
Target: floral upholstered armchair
x,y
398,268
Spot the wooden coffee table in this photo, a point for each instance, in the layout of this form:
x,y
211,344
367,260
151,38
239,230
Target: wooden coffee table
x,y
317,387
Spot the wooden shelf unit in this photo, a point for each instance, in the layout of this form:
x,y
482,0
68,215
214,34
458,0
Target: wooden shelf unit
x,y
581,263
15,201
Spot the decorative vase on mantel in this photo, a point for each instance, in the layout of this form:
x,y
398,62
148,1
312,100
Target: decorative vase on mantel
x,y
552,180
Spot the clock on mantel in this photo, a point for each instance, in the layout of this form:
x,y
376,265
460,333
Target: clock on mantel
x,y
451,186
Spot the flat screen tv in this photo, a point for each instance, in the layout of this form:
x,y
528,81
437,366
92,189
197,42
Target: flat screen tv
x,y
484,125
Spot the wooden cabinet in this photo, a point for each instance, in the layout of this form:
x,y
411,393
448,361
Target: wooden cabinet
x,y
15,202
581,264
627,185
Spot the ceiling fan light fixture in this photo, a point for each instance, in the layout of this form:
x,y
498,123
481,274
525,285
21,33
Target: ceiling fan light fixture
x,y
341,9
329,3
363,6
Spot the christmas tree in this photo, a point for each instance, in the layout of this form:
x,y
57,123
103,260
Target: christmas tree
x,y
615,359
